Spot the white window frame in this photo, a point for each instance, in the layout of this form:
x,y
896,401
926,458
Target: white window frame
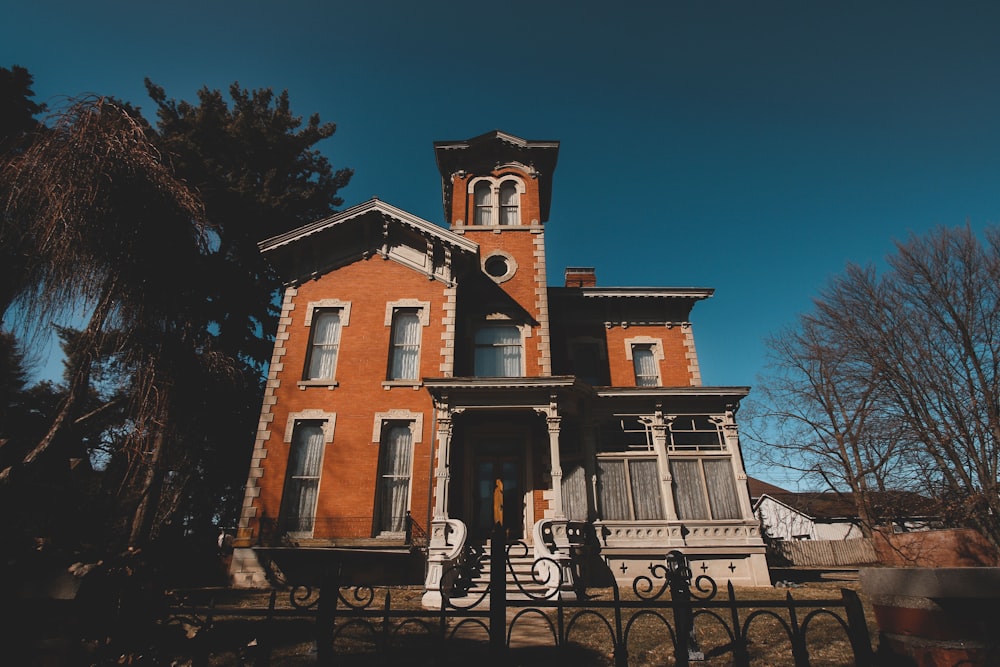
x,y
327,422
314,307
384,422
655,346
496,208
706,495
626,459
495,324
422,309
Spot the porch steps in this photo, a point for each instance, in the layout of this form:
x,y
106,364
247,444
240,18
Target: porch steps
x,y
518,570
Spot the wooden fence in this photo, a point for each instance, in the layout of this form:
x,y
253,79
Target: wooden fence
x,y
827,552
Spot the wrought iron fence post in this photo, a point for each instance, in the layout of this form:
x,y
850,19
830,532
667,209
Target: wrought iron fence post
x,y
621,646
262,652
498,591
857,628
679,578
741,657
799,651
326,617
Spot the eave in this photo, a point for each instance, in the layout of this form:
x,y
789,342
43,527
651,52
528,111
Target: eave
x,y
366,230
736,392
694,293
374,204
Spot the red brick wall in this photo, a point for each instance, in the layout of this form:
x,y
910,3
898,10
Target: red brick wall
x,y
361,369
674,368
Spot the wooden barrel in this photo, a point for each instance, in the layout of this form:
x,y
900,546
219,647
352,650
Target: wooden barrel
x,y
936,617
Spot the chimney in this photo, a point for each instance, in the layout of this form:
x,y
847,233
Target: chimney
x,y
581,276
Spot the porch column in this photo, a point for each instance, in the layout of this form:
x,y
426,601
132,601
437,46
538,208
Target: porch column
x,y
442,477
557,474
659,430
730,432
590,466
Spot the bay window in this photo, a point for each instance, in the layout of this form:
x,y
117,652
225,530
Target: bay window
x,y
704,488
628,488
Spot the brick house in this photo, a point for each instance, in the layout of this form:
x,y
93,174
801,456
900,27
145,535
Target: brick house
x,y
428,376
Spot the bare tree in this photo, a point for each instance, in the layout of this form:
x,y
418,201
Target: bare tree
x,y
929,328
820,416
109,229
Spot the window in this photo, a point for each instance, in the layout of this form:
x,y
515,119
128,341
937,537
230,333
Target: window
x,y
574,491
629,489
405,345
496,202
644,361
484,203
696,433
589,361
508,203
324,344
298,512
498,351
393,493
704,489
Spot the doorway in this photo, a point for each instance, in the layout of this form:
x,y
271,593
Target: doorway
x,y
498,489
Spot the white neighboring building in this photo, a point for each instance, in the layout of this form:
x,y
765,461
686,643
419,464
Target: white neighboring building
x,y
827,515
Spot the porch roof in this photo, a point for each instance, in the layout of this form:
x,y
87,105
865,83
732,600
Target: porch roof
x,y
504,392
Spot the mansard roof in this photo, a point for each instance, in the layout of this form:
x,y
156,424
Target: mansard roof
x,y
486,152
361,231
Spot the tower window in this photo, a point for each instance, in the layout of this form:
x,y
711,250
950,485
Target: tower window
x,y
484,203
508,203
496,202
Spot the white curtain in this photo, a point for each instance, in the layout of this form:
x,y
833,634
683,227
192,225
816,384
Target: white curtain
x,y
508,203
303,477
574,492
689,492
394,476
645,484
612,489
721,489
484,207
498,352
325,340
646,374
405,345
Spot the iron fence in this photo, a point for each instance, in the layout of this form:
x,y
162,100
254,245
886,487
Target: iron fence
x,y
356,624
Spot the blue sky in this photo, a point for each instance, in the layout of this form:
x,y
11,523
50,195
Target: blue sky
x,y
752,147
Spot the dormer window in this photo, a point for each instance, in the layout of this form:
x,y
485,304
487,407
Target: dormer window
x,y
496,202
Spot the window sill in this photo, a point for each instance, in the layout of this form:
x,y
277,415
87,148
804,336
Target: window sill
x,y
413,384
329,384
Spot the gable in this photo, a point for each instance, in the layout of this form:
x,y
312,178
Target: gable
x,y
360,232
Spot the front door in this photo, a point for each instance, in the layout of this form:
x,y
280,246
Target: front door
x,y
498,495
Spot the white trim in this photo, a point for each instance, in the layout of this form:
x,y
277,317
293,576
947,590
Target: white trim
x,y
512,266
329,420
416,420
331,304
424,308
655,344
496,182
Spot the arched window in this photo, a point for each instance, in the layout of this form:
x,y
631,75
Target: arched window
x,y
508,203
484,203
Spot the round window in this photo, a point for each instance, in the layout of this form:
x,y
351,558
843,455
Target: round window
x,y
497,266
